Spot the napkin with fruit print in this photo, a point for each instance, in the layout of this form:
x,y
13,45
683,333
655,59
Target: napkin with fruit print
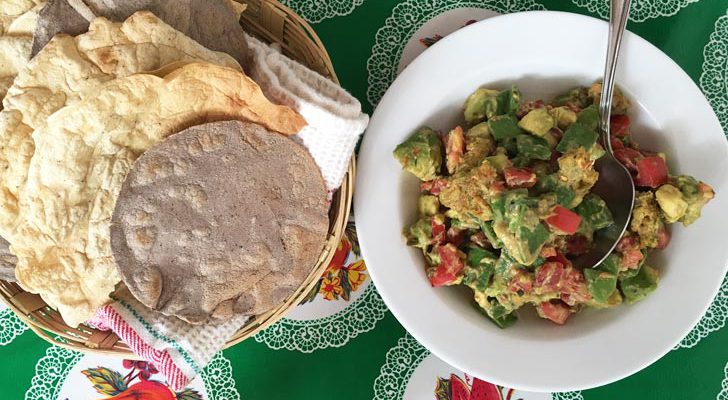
x,y
335,123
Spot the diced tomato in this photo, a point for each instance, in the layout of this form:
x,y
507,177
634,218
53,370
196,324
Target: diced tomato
x,y
629,247
577,245
631,259
450,267
627,242
522,281
557,312
438,230
548,252
480,239
564,220
651,172
663,237
434,186
574,289
519,177
455,236
619,125
497,187
628,157
559,258
617,144
548,276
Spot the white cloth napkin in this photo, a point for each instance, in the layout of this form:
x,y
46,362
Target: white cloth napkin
x,y
335,123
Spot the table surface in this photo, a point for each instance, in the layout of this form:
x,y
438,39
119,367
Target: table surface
x,y
343,343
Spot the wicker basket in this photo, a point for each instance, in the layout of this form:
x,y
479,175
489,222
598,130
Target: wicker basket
x,y
271,22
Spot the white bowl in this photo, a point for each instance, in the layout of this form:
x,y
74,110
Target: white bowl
x,y
544,53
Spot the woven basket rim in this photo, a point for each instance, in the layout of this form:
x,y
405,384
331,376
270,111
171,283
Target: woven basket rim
x,y
305,45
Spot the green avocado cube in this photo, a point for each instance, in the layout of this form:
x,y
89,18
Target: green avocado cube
x,y
589,117
498,161
533,147
639,286
594,213
428,205
509,101
577,135
479,269
481,105
504,127
611,264
421,154
601,284
498,314
551,183
564,116
487,228
537,122
420,234
578,97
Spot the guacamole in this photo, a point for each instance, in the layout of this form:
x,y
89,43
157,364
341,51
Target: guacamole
x,y
506,204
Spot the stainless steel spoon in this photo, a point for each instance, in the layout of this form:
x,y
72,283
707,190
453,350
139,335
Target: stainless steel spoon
x,y
615,184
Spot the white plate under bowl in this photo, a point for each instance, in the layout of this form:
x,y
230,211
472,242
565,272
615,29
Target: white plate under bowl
x,y
544,53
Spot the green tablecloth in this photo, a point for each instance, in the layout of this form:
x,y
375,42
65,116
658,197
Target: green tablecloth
x,y
343,343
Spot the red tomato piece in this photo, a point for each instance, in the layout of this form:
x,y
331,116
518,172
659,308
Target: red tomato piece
x,y
451,266
519,177
574,289
663,237
617,144
619,125
557,312
564,220
651,172
628,157
438,230
628,242
497,187
548,276
559,258
434,186
522,281
455,236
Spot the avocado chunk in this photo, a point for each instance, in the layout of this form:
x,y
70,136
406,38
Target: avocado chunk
x,y
428,205
578,97
499,161
646,222
537,122
481,105
487,228
620,103
563,116
611,264
639,286
589,117
672,203
578,135
533,148
420,233
500,315
601,284
480,264
594,213
517,225
509,101
478,144
697,194
421,154
504,127
551,183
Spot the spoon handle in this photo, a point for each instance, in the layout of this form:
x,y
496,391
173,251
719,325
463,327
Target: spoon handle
x,y
618,16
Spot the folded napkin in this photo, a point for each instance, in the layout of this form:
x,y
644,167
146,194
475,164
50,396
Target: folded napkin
x,y
335,122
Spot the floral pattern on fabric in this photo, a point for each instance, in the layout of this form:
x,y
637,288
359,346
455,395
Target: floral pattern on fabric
x,y
640,10
315,11
714,79
10,326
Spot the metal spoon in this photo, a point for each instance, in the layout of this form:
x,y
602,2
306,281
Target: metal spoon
x,y
615,183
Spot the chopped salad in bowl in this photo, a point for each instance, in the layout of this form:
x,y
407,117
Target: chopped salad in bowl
x,y
506,204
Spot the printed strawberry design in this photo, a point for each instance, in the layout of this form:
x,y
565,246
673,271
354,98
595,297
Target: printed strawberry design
x,y
116,386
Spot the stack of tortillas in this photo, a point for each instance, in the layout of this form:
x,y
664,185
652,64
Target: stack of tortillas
x,y
75,120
